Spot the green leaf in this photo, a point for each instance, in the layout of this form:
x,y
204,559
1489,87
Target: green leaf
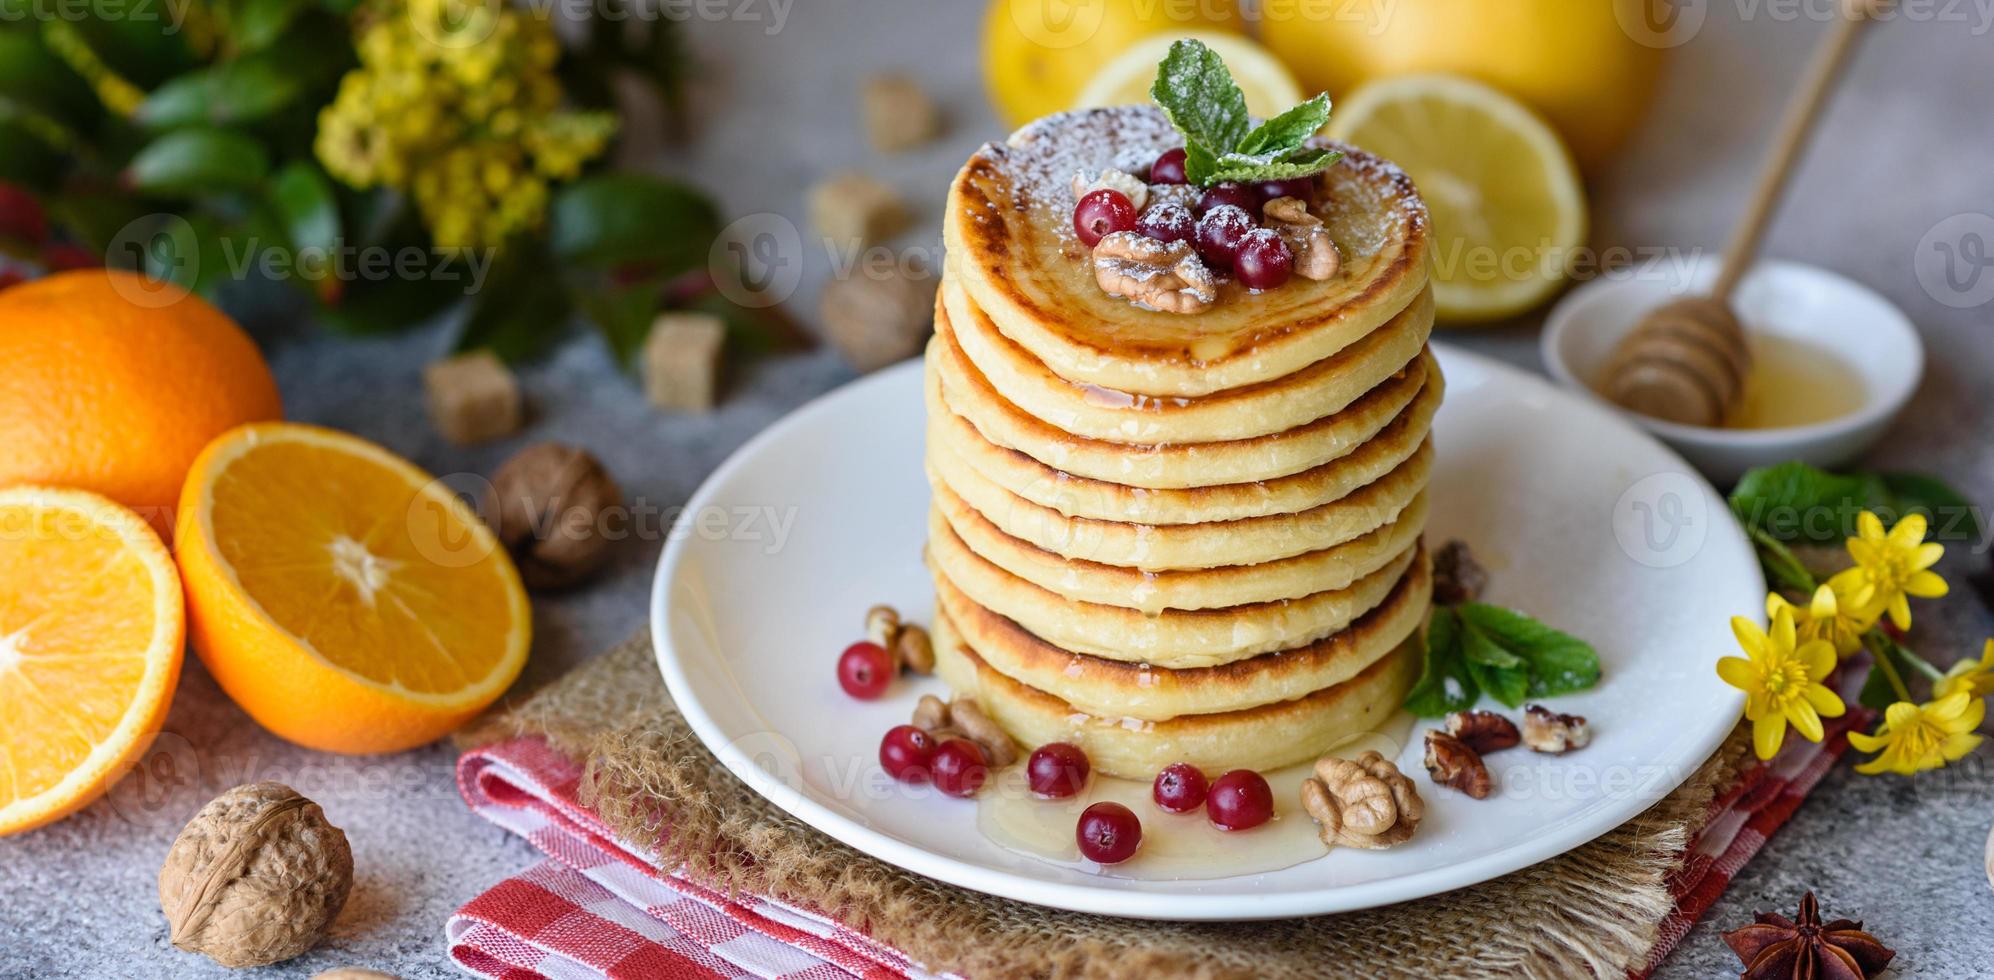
x,y
303,198
1197,93
1794,501
1445,684
1287,131
1952,516
623,314
1783,569
1200,165
256,24
1300,163
36,81
193,160
1511,686
238,91
1559,663
374,306
627,218
1480,649
521,309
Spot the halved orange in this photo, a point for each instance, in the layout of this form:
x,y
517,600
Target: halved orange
x,y
343,597
91,628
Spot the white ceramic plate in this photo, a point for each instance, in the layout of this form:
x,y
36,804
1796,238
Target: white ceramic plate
x,y
1583,520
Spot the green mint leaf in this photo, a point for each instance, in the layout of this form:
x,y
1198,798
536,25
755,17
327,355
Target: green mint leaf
x,y
1306,162
1287,131
1783,569
1559,663
1796,502
1445,684
1199,164
1197,93
1478,648
1511,686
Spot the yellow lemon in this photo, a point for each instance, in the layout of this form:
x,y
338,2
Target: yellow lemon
x,y
1038,54
1270,88
1507,204
1589,66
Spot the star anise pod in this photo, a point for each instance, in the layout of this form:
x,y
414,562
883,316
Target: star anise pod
x,y
1774,947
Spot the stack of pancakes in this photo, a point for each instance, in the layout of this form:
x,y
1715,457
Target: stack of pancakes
x,y
1171,537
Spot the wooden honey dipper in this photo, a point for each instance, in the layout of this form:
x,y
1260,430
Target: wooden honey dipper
x,y
1688,361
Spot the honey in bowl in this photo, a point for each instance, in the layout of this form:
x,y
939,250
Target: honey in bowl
x,y
1796,382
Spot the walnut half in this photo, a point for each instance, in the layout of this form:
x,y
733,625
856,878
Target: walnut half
x,y
1483,731
1364,802
1315,253
1167,276
1453,764
1547,731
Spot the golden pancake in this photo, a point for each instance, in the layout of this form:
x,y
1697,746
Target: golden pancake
x,y
1149,692
1078,496
1161,547
1089,411
1264,738
1172,467
1195,588
1172,638
1008,228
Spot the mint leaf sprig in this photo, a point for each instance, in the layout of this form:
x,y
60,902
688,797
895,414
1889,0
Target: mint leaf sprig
x,y
1197,92
1476,648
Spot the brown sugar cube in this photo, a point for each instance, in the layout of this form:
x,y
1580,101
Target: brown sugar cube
x,y
473,397
898,113
682,360
877,320
854,208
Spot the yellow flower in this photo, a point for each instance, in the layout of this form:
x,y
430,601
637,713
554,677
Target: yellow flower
x,y
1827,617
1781,681
1974,678
1890,567
1913,738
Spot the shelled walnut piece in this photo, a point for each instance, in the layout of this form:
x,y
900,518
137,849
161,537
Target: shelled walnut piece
x,y
1483,731
964,717
1364,802
255,877
1167,276
1315,252
1453,764
1552,733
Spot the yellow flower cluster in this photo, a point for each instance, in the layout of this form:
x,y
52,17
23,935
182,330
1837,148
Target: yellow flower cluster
x,y
456,102
1782,679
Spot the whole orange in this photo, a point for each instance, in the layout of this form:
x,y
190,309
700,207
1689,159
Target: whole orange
x,y
113,383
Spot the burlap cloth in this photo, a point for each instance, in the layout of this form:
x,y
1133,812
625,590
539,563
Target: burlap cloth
x,y
1595,909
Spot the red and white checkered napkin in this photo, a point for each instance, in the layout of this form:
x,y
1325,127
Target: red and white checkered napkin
x,y
597,908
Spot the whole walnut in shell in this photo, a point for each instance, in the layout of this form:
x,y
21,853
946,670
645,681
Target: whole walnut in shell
x,y
546,505
255,877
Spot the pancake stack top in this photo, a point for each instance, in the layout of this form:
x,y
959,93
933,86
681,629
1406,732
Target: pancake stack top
x,y
1171,536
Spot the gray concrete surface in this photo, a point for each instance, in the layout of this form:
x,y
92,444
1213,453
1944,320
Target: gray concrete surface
x,y
1906,147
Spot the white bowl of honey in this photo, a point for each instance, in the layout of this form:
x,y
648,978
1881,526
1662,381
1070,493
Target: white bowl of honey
x,y
1833,362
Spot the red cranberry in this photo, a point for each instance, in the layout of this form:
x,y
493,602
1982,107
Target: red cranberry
x,y
1168,168
23,220
1240,800
906,753
1297,187
1237,195
1220,232
1057,770
1101,213
61,256
1108,833
864,670
1167,222
1179,788
1262,260
959,768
